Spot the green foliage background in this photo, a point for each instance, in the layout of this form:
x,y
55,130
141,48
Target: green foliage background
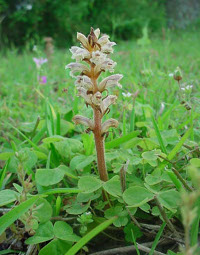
x,y
23,21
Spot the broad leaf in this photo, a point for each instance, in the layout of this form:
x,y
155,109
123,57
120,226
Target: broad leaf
x,y
46,177
43,234
137,196
89,184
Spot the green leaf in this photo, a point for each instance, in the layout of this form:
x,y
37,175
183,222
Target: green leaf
x,y
118,141
162,146
157,238
55,247
77,208
172,154
3,174
170,199
121,214
43,233
46,177
65,127
195,162
60,190
152,180
89,184
136,196
43,210
68,147
88,142
150,157
6,155
113,186
7,219
8,196
127,230
84,240
51,139
8,252
174,179
80,162
64,231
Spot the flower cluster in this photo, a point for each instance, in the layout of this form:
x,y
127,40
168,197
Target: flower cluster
x,y
92,58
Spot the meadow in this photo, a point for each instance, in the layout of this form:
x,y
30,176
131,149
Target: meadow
x,y
51,194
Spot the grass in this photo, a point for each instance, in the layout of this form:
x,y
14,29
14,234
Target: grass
x,y
37,133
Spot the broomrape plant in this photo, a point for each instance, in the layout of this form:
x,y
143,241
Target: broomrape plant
x,y
92,58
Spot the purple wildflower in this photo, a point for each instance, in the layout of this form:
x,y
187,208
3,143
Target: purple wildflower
x,y
42,79
40,61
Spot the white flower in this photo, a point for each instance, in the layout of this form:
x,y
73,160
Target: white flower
x,y
97,98
109,123
103,40
82,39
78,119
83,93
110,81
171,75
126,94
79,53
188,87
28,7
84,81
97,32
162,107
107,65
98,57
107,102
77,67
107,48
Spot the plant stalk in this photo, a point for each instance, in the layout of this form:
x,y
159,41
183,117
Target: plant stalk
x,y
99,139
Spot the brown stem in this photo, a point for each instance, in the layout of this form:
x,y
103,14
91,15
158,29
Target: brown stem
x,y
99,139
165,218
99,143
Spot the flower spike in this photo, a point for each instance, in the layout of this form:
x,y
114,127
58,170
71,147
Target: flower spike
x,y
94,52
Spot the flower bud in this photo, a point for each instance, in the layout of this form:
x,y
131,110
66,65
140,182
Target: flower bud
x,y
82,39
178,74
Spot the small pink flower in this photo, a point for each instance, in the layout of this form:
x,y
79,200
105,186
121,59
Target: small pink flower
x,y
40,61
42,79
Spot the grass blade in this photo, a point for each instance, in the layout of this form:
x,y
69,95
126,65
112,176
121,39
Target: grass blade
x,y
3,173
124,123
195,225
84,240
158,235
25,137
60,190
58,124
179,144
118,141
132,120
8,252
7,219
135,244
162,146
